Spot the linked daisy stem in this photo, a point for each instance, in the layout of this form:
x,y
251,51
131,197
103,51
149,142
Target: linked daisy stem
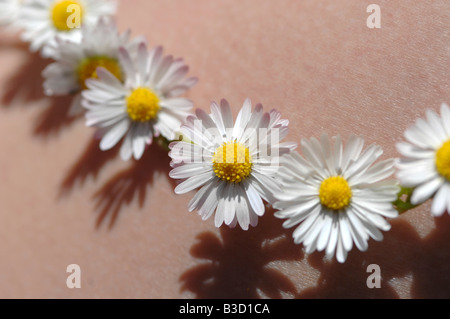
x,y
403,202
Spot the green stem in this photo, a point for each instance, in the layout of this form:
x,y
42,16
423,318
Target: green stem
x,y
164,143
403,205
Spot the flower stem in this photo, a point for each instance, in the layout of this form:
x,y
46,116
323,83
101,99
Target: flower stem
x,y
403,202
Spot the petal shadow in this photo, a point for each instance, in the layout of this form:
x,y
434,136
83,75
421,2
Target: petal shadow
x,y
54,118
236,264
130,184
394,255
432,263
87,166
25,87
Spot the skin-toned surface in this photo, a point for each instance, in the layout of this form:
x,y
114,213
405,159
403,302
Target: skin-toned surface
x,y
63,201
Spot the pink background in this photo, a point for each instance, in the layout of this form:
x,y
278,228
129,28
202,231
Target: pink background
x,y
62,201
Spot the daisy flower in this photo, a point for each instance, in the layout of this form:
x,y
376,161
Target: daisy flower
x,y
76,62
9,11
43,20
144,106
234,165
425,165
336,197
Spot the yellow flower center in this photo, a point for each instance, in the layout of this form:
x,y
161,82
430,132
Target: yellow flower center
x,y
67,15
88,68
232,162
142,105
443,160
335,193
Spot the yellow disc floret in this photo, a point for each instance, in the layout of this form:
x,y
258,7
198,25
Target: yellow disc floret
x,y
232,162
142,105
88,68
335,193
443,160
67,15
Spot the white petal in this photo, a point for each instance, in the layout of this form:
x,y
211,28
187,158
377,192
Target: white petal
x,y
301,231
230,207
210,204
359,234
413,152
370,229
242,209
220,210
386,210
112,137
265,186
445,114
360,165
188,170
126,150
334,236
200,197
242,119
441,200
217,118
345,232
128,66
110,80
435,124
341,252
338,152
325,231
311,237
413,178
312,156
377,172
416,136
194,182
352,151
227,116
425,191
142,135
176,104
294,211
255,199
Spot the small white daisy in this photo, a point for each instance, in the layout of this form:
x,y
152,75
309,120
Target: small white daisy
x,y
145,105
234,165
43,20
76,62
9,11
425,165
338,197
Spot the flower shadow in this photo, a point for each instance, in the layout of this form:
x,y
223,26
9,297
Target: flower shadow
x,y
130,184
54,118
237,264
87,166
25,87
395,255
431,265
